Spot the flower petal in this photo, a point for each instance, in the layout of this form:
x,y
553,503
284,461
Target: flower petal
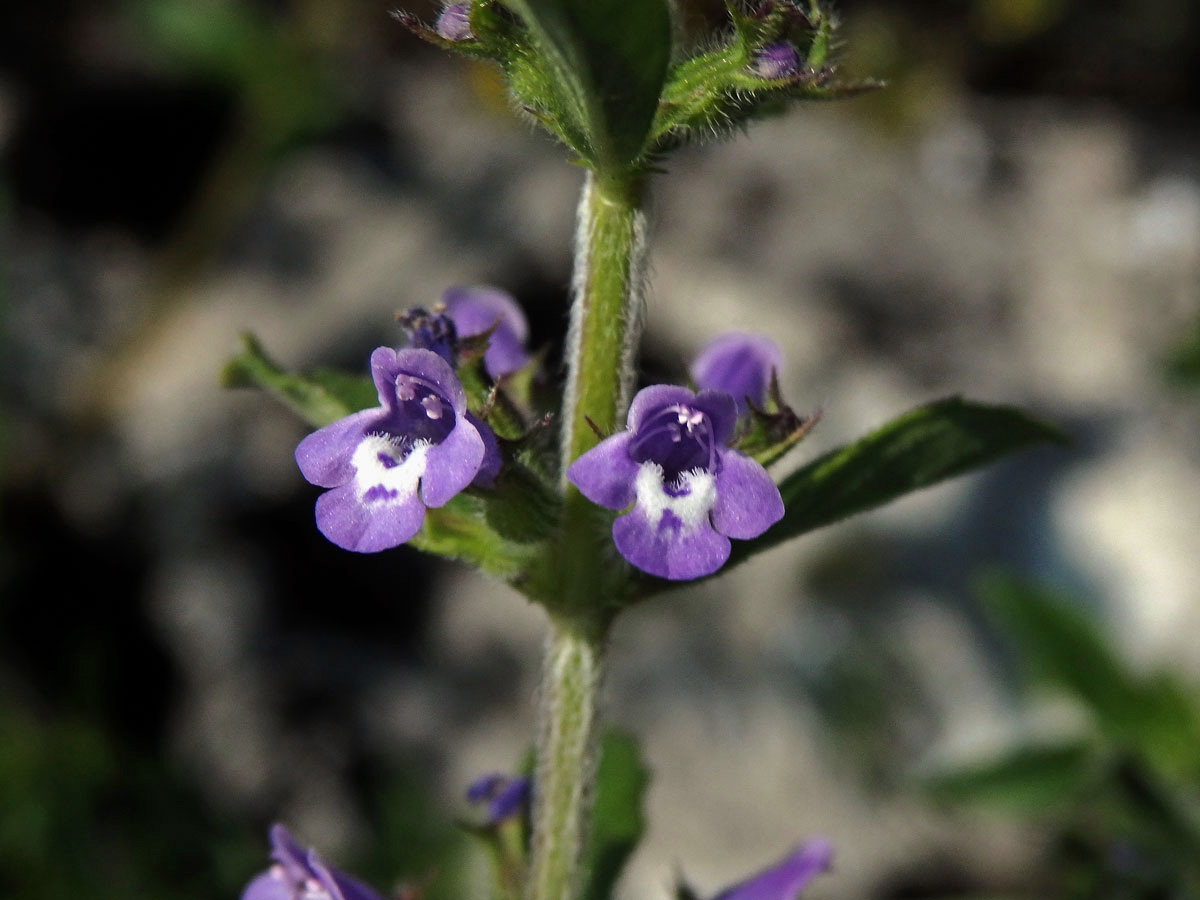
x,y
489,468
664,548
324,456
606,473
510,801
475,310
739,364
339,885
454,24
417,362
721,411
288,854
451,465
354,522
485,787
748,502
787,878
650,400
268,886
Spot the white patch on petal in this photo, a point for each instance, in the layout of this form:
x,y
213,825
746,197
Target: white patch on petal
x,y
375,480
691,507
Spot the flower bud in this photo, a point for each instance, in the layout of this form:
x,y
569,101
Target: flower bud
x,y
775,62
454,24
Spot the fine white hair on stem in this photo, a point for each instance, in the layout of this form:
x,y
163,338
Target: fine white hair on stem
x,y
633,311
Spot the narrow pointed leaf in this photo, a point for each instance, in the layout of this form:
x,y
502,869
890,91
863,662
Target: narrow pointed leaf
x,y
610,59
617,818
318,397
921,448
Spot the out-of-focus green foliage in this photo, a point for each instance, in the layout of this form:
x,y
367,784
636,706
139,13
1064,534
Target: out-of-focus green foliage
x,y
280,73
617,817
1123,796
1183,362
84,816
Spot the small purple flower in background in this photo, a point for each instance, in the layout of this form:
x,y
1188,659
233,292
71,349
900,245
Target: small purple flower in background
x,y
690,492
384,466
505,795
296,874
431,331
454,24
475,310
787,878
776,61
739,364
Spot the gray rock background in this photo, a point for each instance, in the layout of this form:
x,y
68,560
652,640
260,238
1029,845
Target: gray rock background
x,y
1035,250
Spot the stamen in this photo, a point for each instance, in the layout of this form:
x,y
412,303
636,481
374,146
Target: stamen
x,y
405,388
433,406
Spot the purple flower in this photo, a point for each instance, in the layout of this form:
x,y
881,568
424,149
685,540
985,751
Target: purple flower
x,y
690,492
431,331
299,875
384,466
475,310
739,364
454,24
787,878
506,796
776,61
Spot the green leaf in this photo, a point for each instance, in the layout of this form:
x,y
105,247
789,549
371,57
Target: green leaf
x,y
1027,780
921,448
617,818
318,397
1064,647
609,59
460,530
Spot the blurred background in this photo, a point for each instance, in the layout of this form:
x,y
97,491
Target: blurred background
x,y
988,689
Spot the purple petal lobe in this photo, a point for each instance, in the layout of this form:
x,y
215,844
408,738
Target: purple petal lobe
x,y
337,884
324,456
354,522
300,875
506,796
787,878
288,854
489,467
606,473
722,413
651,399
739,364
748,502
420,365
452,464
485,787
668,533
268,886
509,801
475,310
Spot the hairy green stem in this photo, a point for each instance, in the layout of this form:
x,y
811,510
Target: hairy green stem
x,y
585,587
606,315
563,782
